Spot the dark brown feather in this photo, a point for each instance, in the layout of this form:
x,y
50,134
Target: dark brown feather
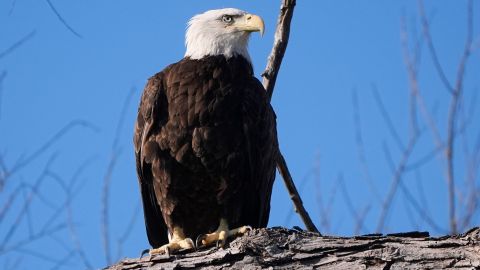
x,y
205,145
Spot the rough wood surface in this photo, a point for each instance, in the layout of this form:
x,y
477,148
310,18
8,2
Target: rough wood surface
x,y
280,248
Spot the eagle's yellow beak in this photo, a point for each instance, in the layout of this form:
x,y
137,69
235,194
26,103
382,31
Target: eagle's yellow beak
x,y
251,23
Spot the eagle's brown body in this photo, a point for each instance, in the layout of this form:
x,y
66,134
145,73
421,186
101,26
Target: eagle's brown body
x,y
205,145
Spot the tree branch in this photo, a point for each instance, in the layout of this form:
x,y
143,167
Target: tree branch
x,y
280,43
17,44
62,20
279,248
269,78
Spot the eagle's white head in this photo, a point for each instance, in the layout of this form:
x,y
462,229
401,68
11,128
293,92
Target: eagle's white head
x,y
221,32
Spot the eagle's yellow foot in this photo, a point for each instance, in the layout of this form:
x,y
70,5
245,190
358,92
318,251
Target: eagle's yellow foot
x,y
221,235
177,242
173,246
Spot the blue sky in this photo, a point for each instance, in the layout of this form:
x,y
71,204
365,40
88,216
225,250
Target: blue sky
x,y
336,49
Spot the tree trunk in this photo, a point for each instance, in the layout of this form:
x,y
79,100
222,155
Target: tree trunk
x,y
280,248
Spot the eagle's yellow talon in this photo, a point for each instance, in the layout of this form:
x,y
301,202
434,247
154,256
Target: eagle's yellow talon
x,y
173,246
220,236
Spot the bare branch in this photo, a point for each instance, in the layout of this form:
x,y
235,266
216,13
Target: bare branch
x,y
431,47
105,226
330,201
323,214
63,261
17,44
416,98
452,119
303,181
361,147
33,238
421,211
282,33
269,78
397,177
294,196
68,206
62,20
11,231
387,119
11,199
126,233
359,218
12,7
2,78
105,207
28,215
50,142
422,160
37,254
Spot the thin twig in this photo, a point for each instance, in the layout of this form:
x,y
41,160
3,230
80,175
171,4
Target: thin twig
x,y
71,225
400,167
50,142
361,147
12,7
416,98
128,230
35,237
396,179
26,205
422,160
37,254
472,203
28,214
331,200
2,78
359,218
322,211
62,20
269,78
421,211
387,119
61,263
11,199
431,47
107,179
17,44
452,119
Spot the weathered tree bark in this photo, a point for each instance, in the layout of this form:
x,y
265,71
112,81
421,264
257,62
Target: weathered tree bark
x,y
280,248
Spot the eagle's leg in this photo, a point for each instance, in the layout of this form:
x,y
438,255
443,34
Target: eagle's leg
x,y
221,235
177,242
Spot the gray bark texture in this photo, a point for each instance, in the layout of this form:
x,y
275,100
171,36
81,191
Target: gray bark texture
x,y
280,248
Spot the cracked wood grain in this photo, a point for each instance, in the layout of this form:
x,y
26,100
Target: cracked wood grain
x,y
280,248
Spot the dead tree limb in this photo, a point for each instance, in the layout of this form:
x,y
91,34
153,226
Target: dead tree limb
x,y
280,248
280,43
62,20
17,44
456,93
269,78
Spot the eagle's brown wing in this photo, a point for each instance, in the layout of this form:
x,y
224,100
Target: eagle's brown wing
x,y
259,125
148,120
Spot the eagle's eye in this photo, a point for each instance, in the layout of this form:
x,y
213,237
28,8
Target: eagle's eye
x,y
227,18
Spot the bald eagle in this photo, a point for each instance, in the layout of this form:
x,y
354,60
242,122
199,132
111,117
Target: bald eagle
x,y
205,138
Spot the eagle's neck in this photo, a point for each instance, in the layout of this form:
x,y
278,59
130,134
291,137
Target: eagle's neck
x,y
201,44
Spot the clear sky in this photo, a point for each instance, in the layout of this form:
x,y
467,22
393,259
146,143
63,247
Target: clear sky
x,y
337,49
